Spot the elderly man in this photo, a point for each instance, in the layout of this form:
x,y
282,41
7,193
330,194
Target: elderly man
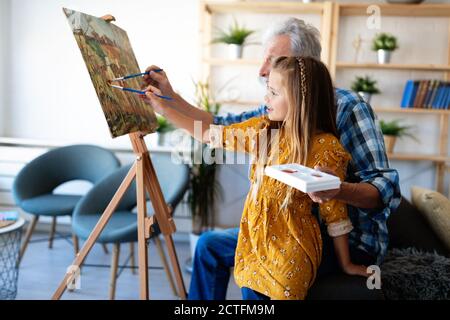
x,y
371,190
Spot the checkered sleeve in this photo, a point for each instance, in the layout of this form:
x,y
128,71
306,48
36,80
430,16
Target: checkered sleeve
x,y
362,137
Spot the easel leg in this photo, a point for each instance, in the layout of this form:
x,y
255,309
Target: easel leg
x,y
162,255
163,218
142,242
114,267
176,266
97,230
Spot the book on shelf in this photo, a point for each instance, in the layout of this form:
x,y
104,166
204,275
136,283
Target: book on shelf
x,y
303,178
426,94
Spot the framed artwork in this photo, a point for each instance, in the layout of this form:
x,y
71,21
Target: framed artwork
x,y
107,53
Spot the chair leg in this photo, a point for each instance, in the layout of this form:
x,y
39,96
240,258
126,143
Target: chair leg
x,y
76,246
165,264
132,258
105,248
52,233
28,234
114,267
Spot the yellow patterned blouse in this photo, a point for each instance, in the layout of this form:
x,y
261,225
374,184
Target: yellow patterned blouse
x,y
279,250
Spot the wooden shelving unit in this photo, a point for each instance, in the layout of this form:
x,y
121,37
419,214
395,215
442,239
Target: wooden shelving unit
x,y
442,159
393,66
209,9
331,13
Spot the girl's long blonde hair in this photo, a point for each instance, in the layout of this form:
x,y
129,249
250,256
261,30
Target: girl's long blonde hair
x,y
311,110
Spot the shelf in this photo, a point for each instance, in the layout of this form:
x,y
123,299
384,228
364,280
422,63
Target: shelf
x,y
235,62
264,7
393,66
401,10
412,110
418,157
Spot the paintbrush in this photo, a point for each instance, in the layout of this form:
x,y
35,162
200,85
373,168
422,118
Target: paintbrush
x,y
135,75
139,91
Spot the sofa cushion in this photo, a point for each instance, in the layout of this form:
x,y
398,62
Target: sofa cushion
x,y
409,228
411,274
436,209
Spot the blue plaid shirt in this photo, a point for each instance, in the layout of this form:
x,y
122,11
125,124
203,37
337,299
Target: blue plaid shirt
x,y
363,139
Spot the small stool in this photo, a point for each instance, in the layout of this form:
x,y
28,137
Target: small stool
x,y
10,237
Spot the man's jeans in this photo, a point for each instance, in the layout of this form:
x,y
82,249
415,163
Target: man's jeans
x,y
214,257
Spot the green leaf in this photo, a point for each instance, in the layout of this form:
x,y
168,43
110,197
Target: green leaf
x,y
393,128
234,35
365,84
384,41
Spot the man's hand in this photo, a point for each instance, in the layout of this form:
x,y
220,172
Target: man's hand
x,y
158,80
326,195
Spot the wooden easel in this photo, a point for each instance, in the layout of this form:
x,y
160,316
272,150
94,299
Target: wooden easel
x,y
146,180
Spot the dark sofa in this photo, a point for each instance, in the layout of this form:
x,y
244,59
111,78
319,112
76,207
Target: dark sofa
x,y
407,228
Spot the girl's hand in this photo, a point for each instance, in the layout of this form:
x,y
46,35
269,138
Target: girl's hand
x,y
158,104
356,270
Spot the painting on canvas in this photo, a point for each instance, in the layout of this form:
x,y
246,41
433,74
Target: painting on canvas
x,y
107,53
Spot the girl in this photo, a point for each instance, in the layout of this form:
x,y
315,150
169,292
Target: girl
x,y
279,246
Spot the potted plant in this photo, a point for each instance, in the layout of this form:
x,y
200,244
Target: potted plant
x,y
365,87
391,131
384,44
204,189
164,127
236,38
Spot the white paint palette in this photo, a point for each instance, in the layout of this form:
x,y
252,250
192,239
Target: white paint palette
x,y
303,178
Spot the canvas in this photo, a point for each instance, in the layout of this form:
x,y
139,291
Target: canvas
x,y
107,53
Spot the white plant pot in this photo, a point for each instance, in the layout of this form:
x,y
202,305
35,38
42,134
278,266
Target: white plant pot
x,y
193,239
384,56
153,139
164,138
235,51
366,96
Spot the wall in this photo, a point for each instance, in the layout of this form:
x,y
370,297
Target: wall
x,y
4,58
51,95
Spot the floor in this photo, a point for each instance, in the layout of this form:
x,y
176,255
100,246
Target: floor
x,y
42,269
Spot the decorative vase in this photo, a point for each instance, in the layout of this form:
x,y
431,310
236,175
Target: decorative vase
x,y
389,142
235,51
193,239
366,96
163,138
153,139
384,56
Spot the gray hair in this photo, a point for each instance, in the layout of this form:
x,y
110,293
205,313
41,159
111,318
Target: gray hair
x,y
305,38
